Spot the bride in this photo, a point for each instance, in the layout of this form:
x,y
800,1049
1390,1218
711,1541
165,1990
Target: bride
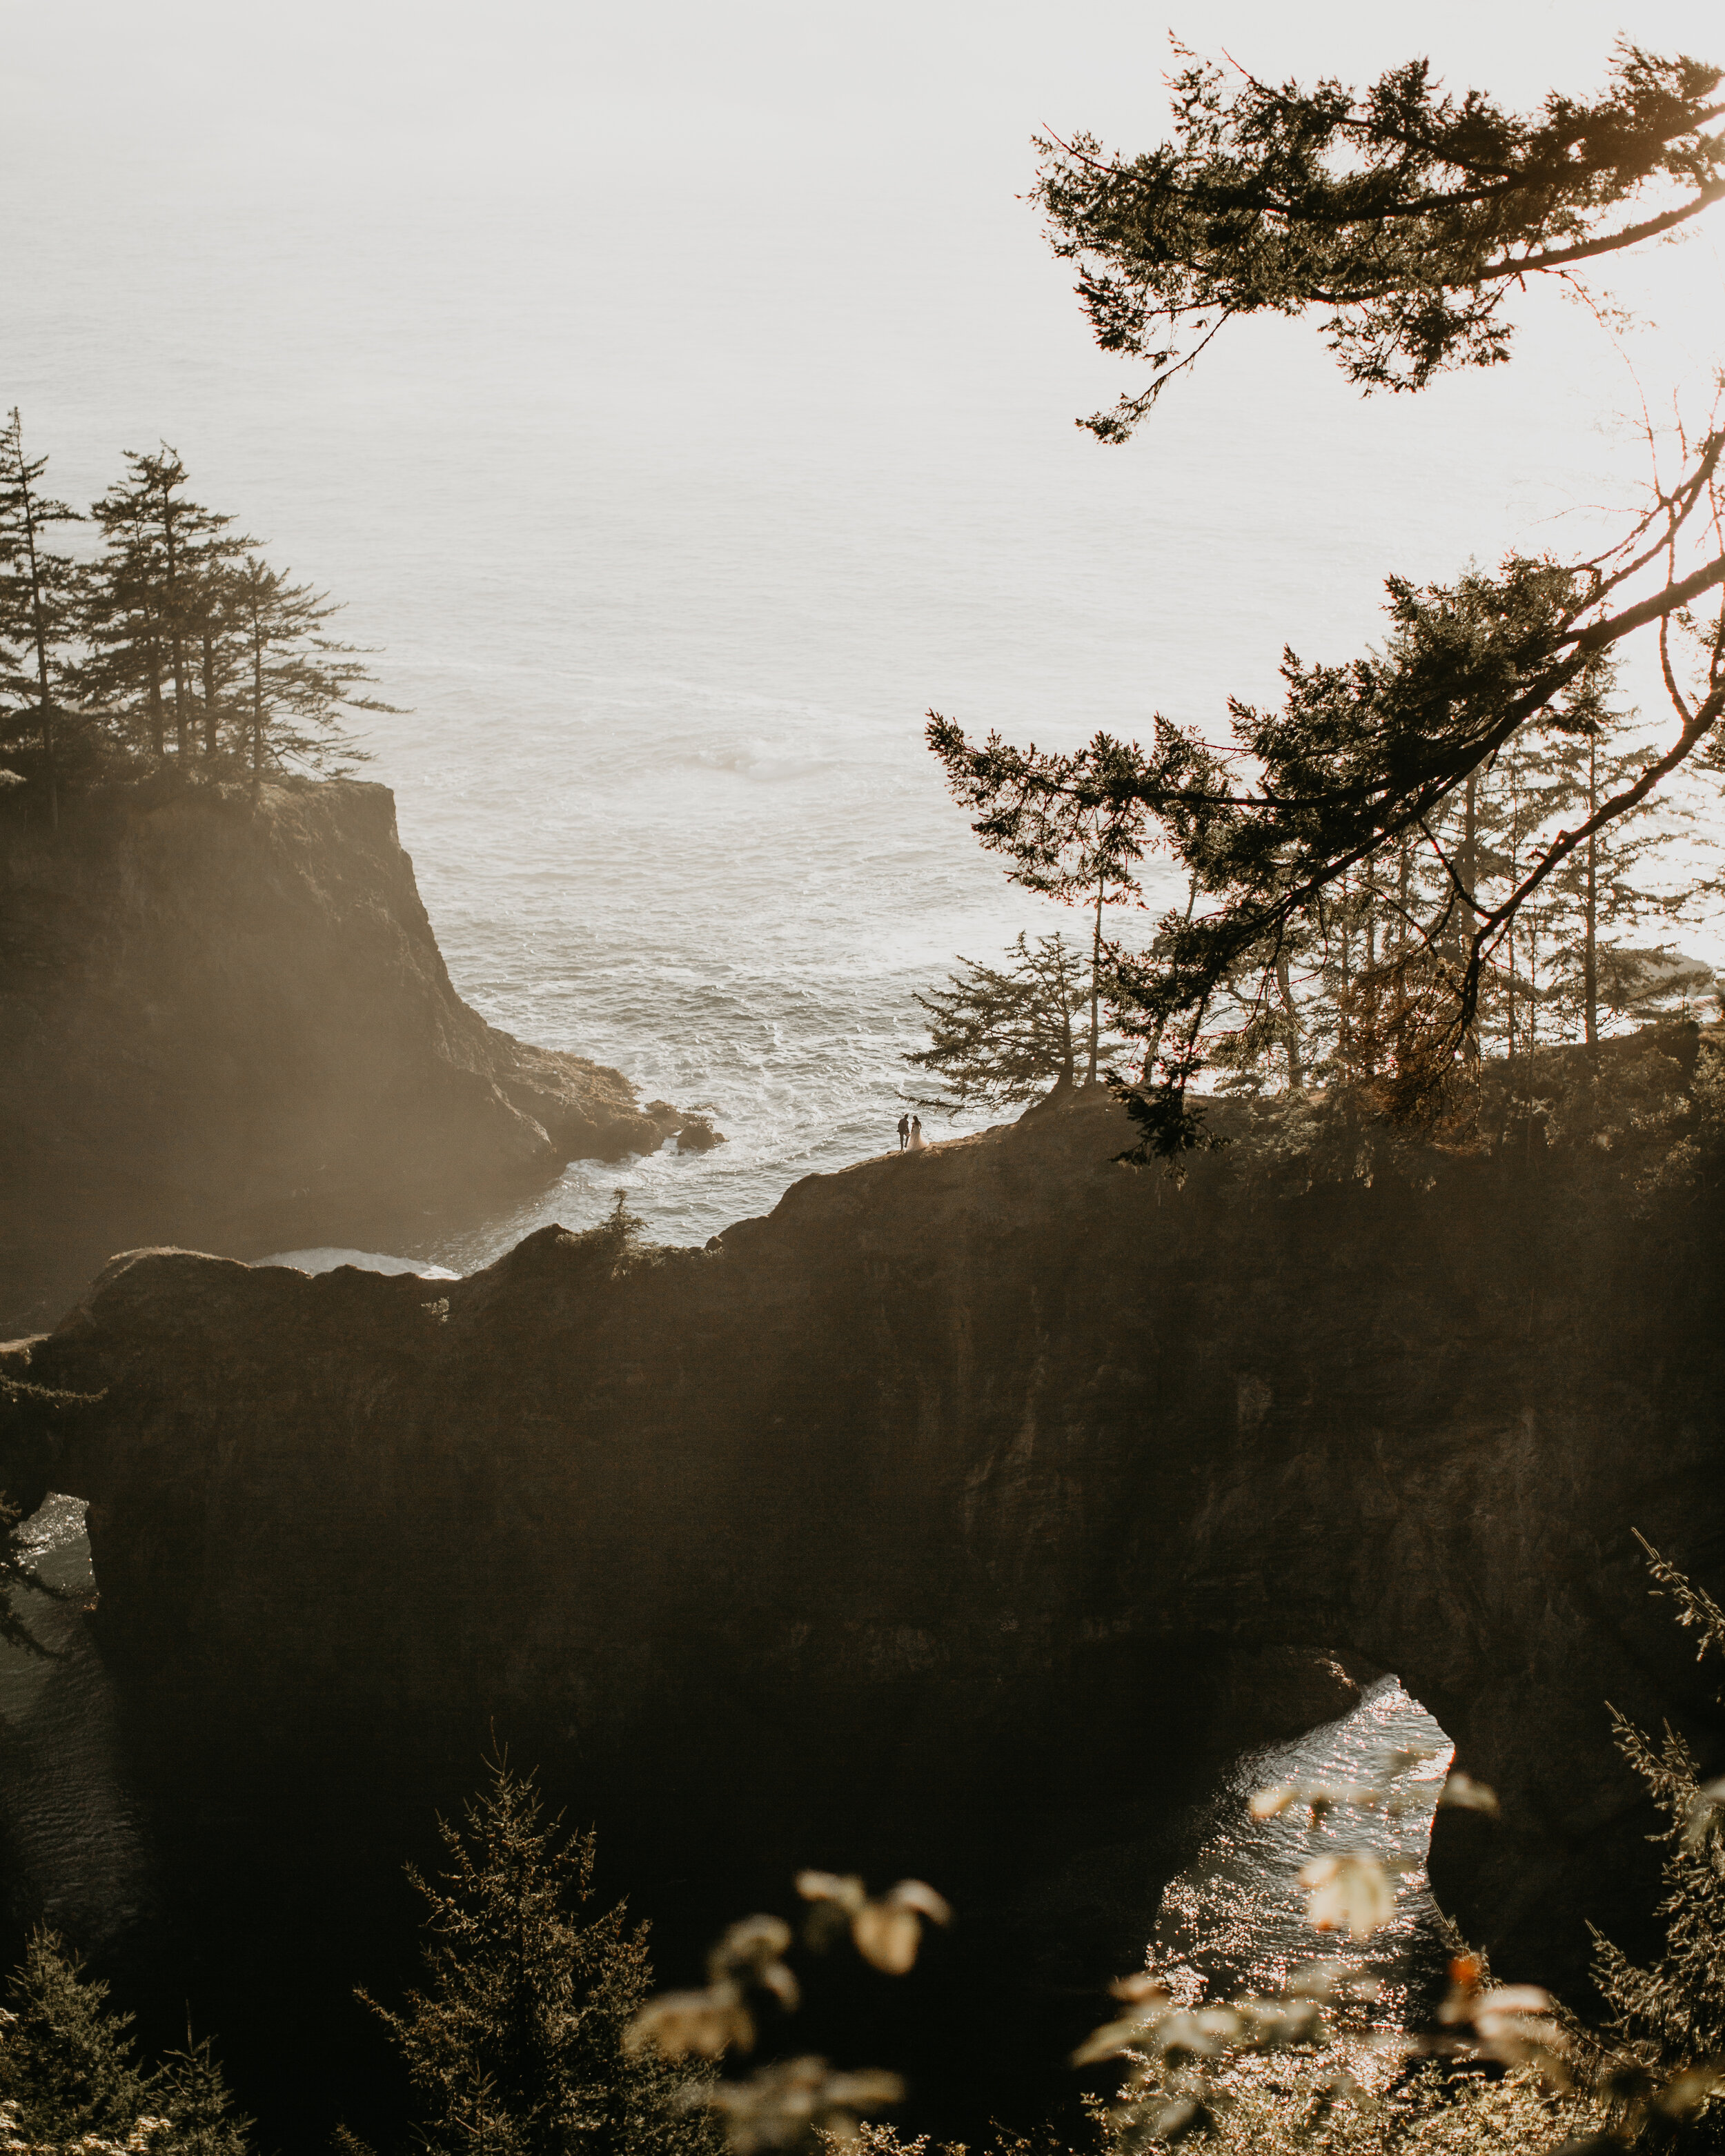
x,y
918,1143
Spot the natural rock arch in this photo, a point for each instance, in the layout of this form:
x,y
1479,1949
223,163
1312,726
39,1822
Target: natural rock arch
x,y
934,1503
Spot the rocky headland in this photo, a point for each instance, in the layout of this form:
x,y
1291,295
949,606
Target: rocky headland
x,y
956,1518
224,1021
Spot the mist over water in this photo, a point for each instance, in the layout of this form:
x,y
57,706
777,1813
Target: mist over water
x,y
684,404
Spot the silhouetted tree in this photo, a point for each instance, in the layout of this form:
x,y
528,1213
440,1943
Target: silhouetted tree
x,y
39,598
1601,900
1070,824
1672,2013
68,2059
156,616
1408,216
69,2069
296,683
516,2045
1000,1034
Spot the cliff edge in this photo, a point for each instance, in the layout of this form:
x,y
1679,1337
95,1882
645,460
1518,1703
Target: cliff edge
x,y
918,1525
224,1018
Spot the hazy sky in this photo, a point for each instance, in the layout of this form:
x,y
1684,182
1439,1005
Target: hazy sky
x,y
758,184
684,396
689,251
758,188
796,90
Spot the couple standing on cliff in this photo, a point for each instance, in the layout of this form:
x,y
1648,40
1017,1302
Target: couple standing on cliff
x,y
910,1134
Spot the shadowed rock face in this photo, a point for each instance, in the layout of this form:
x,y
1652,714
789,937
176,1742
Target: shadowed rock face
x,y
225,1018
929,1516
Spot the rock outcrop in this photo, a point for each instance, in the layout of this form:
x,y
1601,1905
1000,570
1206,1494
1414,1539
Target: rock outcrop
x,y
927,1510
225,1019
955,1519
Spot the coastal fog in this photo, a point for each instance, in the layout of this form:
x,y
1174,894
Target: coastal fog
x,y
683,399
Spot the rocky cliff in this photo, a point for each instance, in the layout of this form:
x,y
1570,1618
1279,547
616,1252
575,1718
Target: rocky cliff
x,y
922,1524
225,1019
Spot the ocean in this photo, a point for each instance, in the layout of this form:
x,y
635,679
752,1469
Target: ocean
x,y
681,413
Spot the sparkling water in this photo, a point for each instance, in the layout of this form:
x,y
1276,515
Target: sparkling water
x,y
1237,1916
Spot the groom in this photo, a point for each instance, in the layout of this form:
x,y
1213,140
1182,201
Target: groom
x,y
904,1132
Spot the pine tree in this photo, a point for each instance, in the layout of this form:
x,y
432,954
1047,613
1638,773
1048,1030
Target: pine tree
x,y
70,2079
1070,823
998,1035
1409,220
293,682
191,2092
515,2047
1276,1016
217,628
1672,2015
1606,978
40,592
156,615
1529,791
68,2059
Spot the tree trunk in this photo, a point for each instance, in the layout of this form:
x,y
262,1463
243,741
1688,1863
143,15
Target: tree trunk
x,y
46,715
257,702
1509,1038
1515,877
209,693
1532,1034
1153,1047
1096,989
1296,1068
1467,871
1590,913
158,715
45,706
176,642
183,715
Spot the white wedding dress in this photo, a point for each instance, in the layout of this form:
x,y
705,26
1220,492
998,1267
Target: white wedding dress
x,y
918,1143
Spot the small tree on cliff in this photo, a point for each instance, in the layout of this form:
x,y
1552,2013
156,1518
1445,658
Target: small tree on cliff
x,y
40,594
154,616
1672,2014
1068,823
70,2078
515,2046
1000,1034
296,683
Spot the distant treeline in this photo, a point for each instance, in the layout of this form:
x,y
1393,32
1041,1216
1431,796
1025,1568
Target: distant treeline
x,y
1355,991
173,641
